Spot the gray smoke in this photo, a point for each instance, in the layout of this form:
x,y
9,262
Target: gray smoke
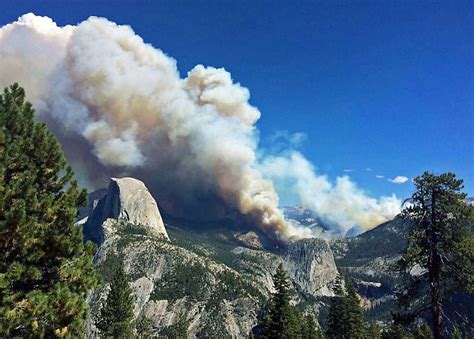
x,y
119,107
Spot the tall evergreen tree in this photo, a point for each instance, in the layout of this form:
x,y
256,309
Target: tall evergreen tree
x,y
116,315
355,315
282,319
180,330
45,268
396,331
144,328
310,329
374,331
337,317
441,247
456,333
424,332
345,319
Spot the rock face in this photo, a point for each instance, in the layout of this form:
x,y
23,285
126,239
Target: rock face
x,y
311,265
126,200
218,278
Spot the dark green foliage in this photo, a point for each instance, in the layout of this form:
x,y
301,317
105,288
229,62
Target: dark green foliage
x,y
279,322
309,328
345,319
45,268
424,332
144,328
185,280
116,315
217,244
456,333
374,332
337,316
231,286
107,268
355,315
180,330
396,331
440,244
281,319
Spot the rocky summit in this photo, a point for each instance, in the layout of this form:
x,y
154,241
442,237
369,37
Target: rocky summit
x,y
217,275
126,200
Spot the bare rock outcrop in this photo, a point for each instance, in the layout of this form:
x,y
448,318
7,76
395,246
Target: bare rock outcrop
x,y
127,200
311,265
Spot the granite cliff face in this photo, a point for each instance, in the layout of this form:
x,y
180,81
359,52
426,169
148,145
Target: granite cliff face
x,y
311,265
126,200
219,275
218,278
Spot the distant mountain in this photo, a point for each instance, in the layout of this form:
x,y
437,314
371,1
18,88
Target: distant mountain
x,y
301,216
216,275
219,275
366,259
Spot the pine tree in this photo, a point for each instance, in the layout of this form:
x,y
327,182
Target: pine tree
x,y
279,316
180,330
116,315
355,316
337,317
345,318
374,331
440,245
144,328
282,320
310,329
456,333
424,332
396,331
45,268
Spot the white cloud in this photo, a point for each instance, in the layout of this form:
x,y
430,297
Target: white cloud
x,y
348,170
399,179
368,169
380,176
340,203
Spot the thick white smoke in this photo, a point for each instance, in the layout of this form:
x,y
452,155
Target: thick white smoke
x,y
343,204
119,107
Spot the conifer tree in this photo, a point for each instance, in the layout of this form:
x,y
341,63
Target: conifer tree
x,y
396,331
345,318
441,246
456,333
374,331
180,330
310,329
424,332
355,316
116,315
144,328
282,319
45,268
337,317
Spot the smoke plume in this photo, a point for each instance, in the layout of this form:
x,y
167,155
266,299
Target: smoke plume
x,y
342,205
119,107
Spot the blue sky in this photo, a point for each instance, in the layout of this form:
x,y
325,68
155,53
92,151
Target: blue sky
x,y
372,84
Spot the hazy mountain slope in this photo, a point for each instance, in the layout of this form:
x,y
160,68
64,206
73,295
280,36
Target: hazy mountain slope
x,y
366,259
215,275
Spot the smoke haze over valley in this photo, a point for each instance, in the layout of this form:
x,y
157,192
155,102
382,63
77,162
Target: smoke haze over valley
x,y
119,107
